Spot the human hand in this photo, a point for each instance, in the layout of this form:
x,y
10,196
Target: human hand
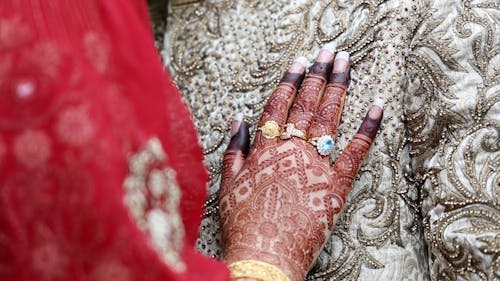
x,y
279,204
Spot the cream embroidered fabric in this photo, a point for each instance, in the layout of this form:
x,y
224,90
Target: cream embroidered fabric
x,y
426,204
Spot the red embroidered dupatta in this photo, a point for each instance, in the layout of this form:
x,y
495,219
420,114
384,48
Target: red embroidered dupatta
x,y
95,146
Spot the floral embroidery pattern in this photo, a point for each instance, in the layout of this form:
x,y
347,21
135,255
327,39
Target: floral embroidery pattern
x,y
153,195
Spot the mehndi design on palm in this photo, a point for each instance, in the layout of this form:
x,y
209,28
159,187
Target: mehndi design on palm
x,y
279,204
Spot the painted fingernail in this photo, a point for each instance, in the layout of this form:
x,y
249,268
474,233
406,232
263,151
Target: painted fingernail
x,y
341,62
327,53
330,47
296,72
299,65
376,109
340,73
324,62
235,124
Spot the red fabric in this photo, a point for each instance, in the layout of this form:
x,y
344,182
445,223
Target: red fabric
x,y
81,88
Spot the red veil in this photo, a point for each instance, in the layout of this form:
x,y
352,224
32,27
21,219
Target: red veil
x,y
89,124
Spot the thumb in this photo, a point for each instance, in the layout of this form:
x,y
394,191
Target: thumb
x,y
236,152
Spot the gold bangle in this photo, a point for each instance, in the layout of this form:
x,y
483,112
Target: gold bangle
x,y
257,270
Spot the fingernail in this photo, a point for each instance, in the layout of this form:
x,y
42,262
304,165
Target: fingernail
x,y
341,62
330,47
340,73
296,72
235,124
324,56
299,65
327,53
376,109
379,102
324,62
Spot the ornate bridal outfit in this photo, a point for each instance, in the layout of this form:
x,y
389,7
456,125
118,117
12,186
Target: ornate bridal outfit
x,y
425,205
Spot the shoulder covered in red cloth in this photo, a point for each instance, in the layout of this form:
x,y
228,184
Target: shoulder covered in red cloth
x,y
98,154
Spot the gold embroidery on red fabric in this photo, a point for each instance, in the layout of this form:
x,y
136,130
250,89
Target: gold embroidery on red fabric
x,y
153,196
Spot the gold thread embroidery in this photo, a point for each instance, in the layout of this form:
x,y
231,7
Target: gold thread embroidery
x,y
153,197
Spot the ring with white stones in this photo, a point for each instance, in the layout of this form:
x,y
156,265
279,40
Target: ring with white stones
x,y
323,144
291,131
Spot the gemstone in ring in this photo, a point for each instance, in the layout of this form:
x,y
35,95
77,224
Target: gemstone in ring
x,y
270,130
323,144
291,131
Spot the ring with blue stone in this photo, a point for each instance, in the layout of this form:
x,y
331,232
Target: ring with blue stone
x,y
323,144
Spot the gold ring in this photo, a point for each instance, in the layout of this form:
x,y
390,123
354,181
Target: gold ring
x,y
270,130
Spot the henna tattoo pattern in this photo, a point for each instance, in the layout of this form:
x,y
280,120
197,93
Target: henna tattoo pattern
x,y
283,204
327,117
236,152
227,164
280,204
304,107
283,191
281,99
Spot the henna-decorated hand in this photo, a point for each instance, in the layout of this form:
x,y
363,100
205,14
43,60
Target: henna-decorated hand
x,y
280,203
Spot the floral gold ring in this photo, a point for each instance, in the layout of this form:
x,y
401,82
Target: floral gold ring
x,y
270,130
